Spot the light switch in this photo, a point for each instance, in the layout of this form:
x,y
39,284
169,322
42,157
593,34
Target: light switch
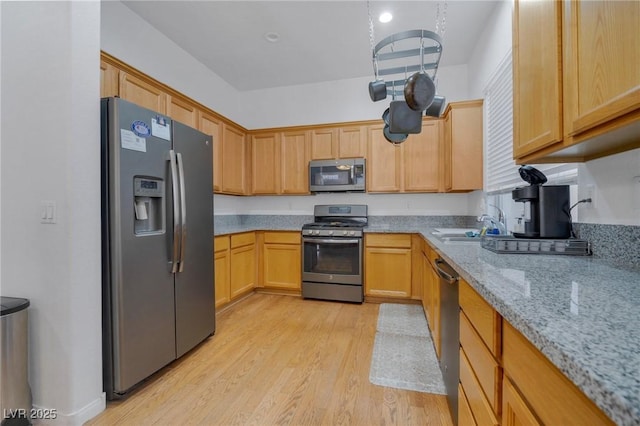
x,y
48,212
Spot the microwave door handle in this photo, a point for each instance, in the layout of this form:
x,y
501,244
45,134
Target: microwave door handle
x,y
353,174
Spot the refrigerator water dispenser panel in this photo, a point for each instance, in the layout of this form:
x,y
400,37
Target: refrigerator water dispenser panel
x,y
148,206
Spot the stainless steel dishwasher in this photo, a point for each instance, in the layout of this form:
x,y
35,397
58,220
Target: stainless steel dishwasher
x,y
449,333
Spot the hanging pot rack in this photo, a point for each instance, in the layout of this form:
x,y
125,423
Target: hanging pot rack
x,y
400,54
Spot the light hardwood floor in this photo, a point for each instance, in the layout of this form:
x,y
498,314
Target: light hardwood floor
x,y
278,360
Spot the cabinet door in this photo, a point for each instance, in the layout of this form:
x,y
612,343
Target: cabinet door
x,y
222,278
234,155
323,144
142,93
537,75
465,141
352,142
265,165
421,159
282,266
515,411
182,110
294,162
211,125
243,270
604,66
108,80
383,162
388,272
552,397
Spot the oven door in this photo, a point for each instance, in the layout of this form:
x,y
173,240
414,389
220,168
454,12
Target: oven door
x,y
332,260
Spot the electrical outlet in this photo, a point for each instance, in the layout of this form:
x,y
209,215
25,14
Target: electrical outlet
x,y
589,192
48,212
636,193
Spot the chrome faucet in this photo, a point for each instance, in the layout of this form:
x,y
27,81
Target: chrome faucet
x,y
500,223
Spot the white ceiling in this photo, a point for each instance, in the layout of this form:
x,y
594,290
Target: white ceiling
x,y
319,40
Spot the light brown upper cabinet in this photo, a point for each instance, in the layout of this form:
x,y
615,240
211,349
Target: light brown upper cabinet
x,y
537,75
576,79
279,162
211,125
463,146
415,165
234,157
324,143
142,92
421,159
383,162
328,143
352,142
294,162
180,109
108,80
265,159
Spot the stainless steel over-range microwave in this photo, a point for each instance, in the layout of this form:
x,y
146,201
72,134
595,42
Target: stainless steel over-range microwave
x,y
337,175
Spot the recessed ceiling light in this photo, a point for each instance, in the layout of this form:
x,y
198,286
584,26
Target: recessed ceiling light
x,y
385,17
272,37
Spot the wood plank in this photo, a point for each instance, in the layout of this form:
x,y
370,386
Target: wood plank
x,y
278,359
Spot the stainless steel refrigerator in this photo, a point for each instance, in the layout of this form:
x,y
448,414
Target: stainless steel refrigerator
x,y
157,250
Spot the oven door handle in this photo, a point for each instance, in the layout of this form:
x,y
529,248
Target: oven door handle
x,y
330,241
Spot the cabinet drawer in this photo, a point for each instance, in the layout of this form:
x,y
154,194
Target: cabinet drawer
x,y
221,243
479,404
244,239
554,399
388,240
282,237
485,367
482,316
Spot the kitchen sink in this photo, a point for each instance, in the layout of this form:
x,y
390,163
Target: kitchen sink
x,y
455,236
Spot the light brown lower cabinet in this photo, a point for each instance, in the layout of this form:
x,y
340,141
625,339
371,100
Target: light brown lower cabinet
x,y
537,391
222,264
387,265
282,260
243,263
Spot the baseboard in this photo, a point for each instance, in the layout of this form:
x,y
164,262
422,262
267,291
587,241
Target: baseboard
x,y
77,418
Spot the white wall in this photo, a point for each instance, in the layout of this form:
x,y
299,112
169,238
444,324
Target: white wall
x,y
50,151
379,204
616,183
131,39
333,101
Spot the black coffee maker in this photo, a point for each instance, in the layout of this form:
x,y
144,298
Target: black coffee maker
x,y
548,206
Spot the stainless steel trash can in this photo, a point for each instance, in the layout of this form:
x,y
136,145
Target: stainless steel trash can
x,y
15,393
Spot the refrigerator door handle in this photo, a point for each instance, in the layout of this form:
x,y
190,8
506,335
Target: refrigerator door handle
x,y
177,232
183,213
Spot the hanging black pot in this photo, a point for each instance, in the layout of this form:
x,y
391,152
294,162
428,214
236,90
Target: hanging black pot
x,y
403,119
394,138
419,91
377,90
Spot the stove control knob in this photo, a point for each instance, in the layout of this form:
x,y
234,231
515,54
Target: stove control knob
x,y
316,232
352,232
344,232
330,232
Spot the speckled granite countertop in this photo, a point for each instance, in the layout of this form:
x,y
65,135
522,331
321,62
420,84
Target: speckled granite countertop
x,y
581,312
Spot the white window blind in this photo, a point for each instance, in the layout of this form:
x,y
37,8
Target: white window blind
x,y
501,170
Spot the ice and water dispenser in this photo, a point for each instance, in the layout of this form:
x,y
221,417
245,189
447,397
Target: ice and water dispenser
x,y
149,205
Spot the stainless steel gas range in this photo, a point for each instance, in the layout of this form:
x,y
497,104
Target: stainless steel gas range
x,y
332,253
